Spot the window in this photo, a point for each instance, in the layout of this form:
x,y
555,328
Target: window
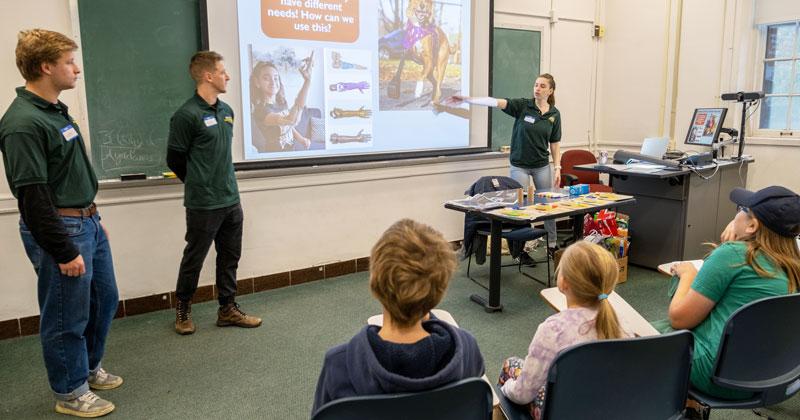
x,y
781,83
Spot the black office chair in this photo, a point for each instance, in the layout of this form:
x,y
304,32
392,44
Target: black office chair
x,y
477,229
759,353
520,235
637,378
463,400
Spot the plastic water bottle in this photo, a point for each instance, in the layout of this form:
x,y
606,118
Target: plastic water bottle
x,y
602,159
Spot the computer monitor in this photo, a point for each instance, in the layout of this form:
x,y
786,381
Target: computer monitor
x,y
705,126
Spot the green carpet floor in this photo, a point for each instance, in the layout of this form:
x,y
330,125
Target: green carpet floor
x,y
271,372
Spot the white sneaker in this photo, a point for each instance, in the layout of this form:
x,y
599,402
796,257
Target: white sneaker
x,y
87,405
103,380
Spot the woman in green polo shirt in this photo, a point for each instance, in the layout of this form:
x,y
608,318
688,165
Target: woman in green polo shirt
x,y
534,139
758,258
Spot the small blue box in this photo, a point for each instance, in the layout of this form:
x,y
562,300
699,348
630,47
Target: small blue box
x,y
579,189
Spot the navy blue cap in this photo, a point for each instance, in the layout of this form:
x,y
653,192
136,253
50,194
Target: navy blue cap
x,y
776,207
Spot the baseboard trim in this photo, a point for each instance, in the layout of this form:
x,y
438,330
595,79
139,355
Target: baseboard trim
x,y
21,327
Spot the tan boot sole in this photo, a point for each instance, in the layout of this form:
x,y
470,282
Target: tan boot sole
x,y
70,412
106,386
184,332
221,323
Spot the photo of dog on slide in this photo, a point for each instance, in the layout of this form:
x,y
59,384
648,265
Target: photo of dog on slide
x,y
420,61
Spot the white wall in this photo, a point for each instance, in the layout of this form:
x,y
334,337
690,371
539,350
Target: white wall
x,y
50,14
677,55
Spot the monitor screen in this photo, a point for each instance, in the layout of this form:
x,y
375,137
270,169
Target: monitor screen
x,y
705,126
340,79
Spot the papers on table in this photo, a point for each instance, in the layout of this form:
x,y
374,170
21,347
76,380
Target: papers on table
x,y
644,167
489,200
551,194
561,206
666,268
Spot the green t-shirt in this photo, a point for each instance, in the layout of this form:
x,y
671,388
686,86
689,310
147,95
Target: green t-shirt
x,y
532,133
726,279
204,134
42,144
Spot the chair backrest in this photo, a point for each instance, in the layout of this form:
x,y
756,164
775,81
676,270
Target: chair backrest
x,y
760,349
638,378
573,157
492,183
466,399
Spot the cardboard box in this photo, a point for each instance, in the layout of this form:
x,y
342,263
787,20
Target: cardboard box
x,y
623,269
621,262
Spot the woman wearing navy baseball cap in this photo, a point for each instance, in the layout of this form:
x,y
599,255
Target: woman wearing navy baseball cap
x,y
758,258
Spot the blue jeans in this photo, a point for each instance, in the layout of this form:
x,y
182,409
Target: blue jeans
x,y
542,179
76,312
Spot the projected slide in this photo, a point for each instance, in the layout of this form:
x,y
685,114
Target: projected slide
x,y
327,77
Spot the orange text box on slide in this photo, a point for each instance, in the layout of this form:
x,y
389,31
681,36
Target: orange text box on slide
x,y
314,20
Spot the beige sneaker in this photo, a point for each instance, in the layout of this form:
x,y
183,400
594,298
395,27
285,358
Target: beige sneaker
x,y
103,380
231,315
183,318
87,405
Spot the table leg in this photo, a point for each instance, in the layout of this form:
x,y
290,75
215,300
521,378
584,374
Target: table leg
x,y
577,227
493,305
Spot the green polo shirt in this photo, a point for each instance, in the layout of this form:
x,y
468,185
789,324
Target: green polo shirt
x,y
533,132
204,134
726,279
42,144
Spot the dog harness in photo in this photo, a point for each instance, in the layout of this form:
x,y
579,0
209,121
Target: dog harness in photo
x,y
415,33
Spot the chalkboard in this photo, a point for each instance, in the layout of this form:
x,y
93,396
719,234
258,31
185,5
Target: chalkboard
x,y
136,58
516,55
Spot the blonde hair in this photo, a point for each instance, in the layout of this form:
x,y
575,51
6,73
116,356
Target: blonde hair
x,y
410,268
201,62
590,271
551,100
779,250
38,46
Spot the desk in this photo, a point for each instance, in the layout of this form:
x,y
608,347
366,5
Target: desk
x,y
629,319
497,220
676,211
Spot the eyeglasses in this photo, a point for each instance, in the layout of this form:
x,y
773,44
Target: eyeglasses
x,y
742,209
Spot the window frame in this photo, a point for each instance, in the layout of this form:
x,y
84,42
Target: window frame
x,y
760,64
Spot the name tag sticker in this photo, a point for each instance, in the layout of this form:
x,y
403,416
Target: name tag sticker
x,y
210,120
530,119
69,132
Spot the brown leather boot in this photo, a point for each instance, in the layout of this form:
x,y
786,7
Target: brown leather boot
x,y
183,318
230,315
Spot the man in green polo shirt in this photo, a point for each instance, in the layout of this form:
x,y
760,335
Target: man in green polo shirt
x,y
49,173
199,152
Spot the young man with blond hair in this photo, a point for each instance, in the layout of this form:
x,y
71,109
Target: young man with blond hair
x,y
49,173
410,268
199,152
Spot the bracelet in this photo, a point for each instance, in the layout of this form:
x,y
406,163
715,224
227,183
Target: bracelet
x,y
556,166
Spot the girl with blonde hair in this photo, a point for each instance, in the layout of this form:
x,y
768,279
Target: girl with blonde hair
x,y
586,275
758,258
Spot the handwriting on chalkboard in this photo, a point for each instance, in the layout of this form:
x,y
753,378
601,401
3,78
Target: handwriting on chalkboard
x,y
135,64
129,150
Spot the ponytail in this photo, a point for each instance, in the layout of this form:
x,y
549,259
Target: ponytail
x,y
607,324
592,273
